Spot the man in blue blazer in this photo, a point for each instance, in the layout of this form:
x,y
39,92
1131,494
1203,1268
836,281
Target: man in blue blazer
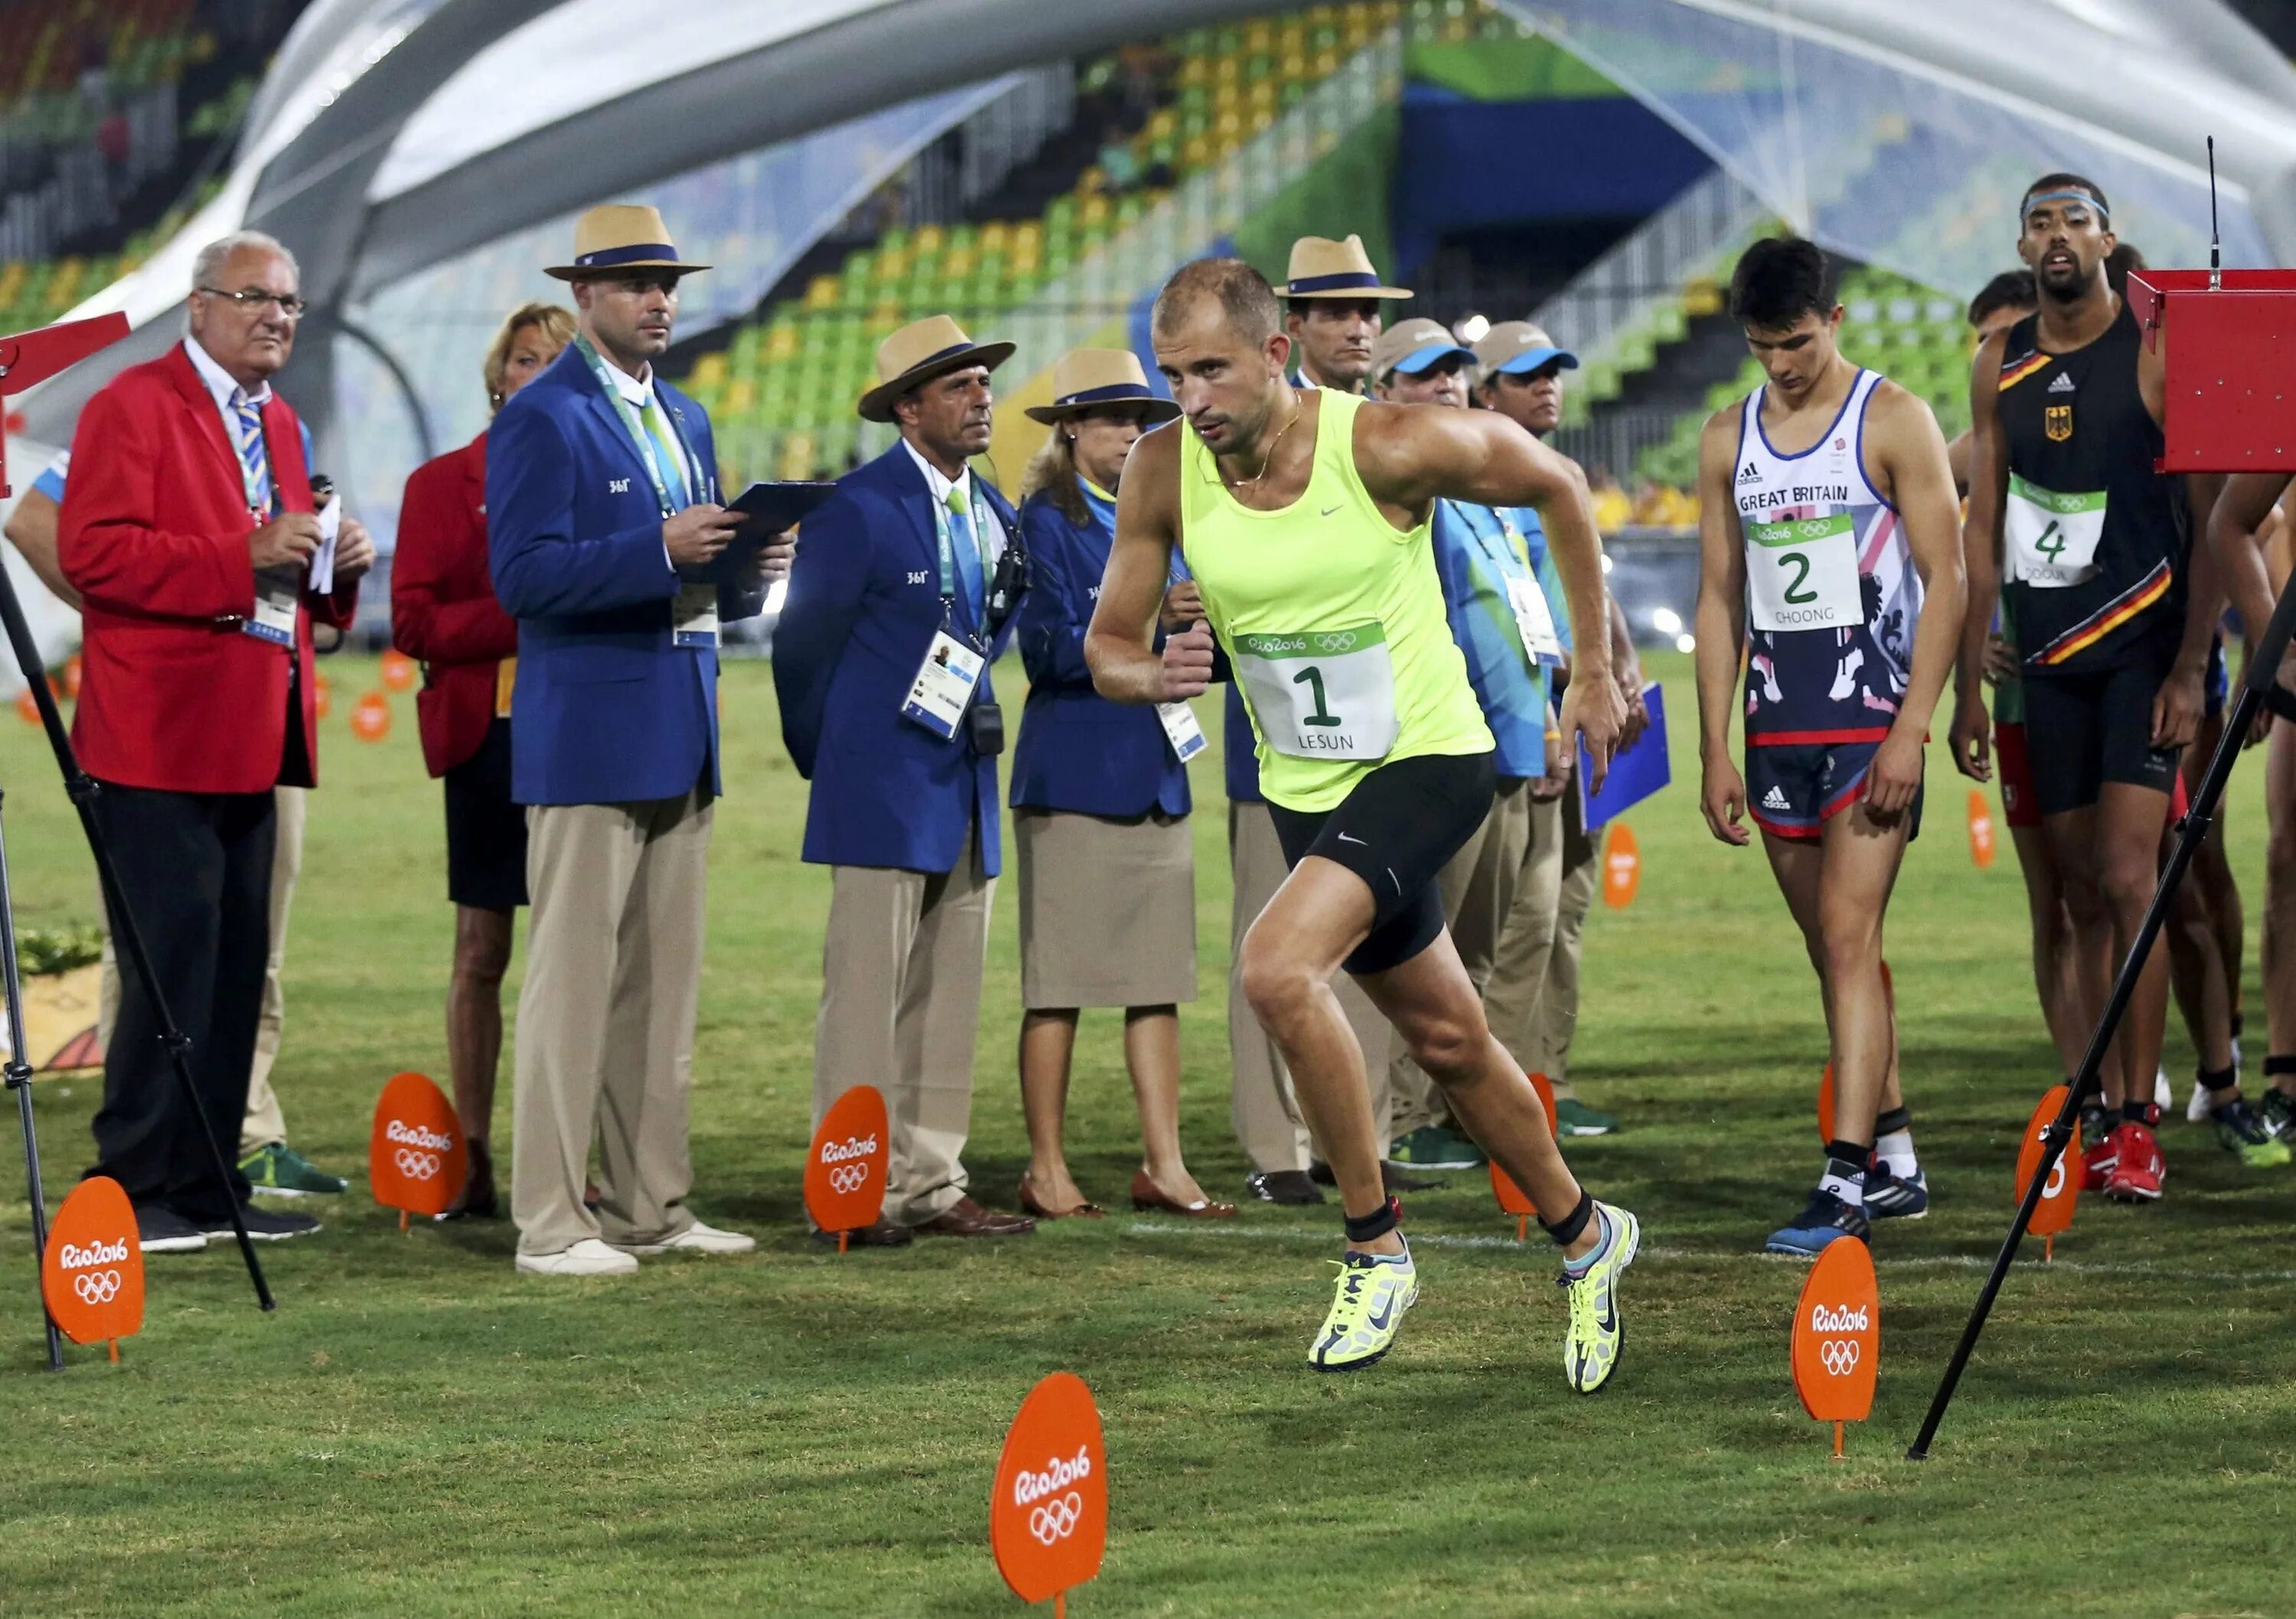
x,y
893,591
601,488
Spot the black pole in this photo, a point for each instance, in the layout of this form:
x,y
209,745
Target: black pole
x,y
83,790
18,1075
2263,672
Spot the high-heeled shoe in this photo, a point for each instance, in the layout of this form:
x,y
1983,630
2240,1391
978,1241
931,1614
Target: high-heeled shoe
x,y
1149,1198
1033,1205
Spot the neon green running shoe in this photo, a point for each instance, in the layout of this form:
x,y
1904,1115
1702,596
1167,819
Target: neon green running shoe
x,y
1375,1290
1590,1352
2242,1132
279,1170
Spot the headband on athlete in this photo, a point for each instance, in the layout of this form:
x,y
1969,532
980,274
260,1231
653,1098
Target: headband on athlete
x,y
2103,214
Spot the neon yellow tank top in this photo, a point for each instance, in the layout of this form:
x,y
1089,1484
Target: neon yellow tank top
x,y
1333,620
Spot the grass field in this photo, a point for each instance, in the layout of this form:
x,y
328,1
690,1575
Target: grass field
x,y
418,1431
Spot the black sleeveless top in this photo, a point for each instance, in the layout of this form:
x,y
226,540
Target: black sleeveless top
x,y
2075,424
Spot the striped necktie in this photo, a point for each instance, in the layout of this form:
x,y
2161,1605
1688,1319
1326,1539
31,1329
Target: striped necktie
x,y
251,455
967,546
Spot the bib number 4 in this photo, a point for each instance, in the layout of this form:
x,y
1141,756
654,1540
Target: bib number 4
x,y
2052,537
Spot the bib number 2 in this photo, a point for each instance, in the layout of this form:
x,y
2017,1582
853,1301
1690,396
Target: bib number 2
x,y
1803,573
1321,694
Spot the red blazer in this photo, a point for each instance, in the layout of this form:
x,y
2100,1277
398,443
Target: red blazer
x,y
153,536
443,611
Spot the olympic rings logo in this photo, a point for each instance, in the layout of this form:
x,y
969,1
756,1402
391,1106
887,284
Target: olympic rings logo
x,y
417,1166
96,1286
1840,1355
848,1177
1057,1519
1336,641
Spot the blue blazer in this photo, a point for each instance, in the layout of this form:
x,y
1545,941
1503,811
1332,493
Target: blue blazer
x,y
863,601
606,709
1078,750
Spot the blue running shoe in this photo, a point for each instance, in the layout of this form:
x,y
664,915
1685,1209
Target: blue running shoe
x,y
1827,1219
1890,1197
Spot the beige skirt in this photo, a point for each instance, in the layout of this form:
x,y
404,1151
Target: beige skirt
x,y
1107,910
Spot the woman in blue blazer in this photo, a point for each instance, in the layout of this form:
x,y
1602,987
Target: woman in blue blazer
x,y
1100,802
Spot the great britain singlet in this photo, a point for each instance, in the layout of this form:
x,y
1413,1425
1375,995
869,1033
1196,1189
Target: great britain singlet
x,y
1831,596
2094,541
1333,618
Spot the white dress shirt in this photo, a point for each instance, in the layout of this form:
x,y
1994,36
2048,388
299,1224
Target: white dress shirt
x,y
991,546
221,385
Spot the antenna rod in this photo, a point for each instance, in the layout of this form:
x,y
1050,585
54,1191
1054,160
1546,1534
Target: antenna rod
x,y
2216,249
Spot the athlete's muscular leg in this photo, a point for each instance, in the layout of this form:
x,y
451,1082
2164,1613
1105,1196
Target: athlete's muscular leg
x,y
2212,866
2280,897
1433,1004
2196,973
2072,838
2065,1007
2129,819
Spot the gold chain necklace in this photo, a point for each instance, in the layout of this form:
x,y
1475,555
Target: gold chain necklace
x,y
1267,460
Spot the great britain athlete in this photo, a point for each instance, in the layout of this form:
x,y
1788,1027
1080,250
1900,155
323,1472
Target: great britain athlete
x,y
1829,560
1303,515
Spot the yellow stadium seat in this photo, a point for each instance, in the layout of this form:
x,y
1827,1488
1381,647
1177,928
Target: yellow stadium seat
x,y
821,294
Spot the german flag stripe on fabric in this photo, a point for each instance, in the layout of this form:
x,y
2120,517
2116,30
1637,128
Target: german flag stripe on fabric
x,y
2108,617
2014,372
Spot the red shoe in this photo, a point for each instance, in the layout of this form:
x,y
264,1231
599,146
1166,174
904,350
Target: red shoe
x,y
2098,1161
2137,1176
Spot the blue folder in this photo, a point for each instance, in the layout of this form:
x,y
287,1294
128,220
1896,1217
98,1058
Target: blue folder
x,y
1635,772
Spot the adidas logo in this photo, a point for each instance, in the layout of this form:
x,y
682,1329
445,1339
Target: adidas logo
x,y
2063,383
1752,475
1775,799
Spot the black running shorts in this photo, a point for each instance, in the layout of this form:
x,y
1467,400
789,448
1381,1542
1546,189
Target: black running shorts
x,y
2084,730
1396,831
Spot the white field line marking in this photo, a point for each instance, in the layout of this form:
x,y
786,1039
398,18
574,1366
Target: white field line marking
x,y
1935,1261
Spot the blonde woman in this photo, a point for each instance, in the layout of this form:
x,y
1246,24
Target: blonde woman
x,y
443,613
1100,802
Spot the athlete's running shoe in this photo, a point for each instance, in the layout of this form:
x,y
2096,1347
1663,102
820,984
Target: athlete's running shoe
x,y
2242,1131
2164,1094
1826,1221
1433,1147
2279,1111
2196,1106
1889,1196
1375,1290
2138,1168
1590,1352
2099,1154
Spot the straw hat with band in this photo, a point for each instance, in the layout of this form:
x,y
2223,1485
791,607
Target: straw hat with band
x,y
616,238
1517,349
1093,379
1322,267
1414,346
919,352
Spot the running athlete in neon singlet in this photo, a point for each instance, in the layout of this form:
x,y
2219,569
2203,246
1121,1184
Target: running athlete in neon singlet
x,y
1830,552
1304,517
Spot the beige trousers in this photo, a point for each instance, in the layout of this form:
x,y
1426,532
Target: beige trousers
x,y
1532,998
605,1021
900,1010
1479,885
1261,1105
264,1124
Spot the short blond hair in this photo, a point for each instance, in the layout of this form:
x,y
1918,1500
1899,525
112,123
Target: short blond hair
x,y
557,324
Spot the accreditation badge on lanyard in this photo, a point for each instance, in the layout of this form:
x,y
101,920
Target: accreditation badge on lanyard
x,y
1534,620
951,672
278,590
694,614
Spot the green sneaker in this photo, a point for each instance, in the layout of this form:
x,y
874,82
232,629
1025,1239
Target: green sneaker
x,y
2244,1133
1433,1146
2279,1111
1590,1350
1375,1290
279,1170
1573,1117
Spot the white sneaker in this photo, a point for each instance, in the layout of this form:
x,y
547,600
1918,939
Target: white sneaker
x,y
2197,1110
588,1257
696,1238
2164,1095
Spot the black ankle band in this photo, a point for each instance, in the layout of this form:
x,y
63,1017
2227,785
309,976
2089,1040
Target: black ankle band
x,y
2139,1113
1364,1228
2275,1066
1565,1230
1900,1117
2222,1079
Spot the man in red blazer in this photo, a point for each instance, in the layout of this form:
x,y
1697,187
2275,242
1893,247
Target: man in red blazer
x,y
188,530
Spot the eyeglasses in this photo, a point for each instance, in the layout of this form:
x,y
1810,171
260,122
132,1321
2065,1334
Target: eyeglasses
x,y
290,307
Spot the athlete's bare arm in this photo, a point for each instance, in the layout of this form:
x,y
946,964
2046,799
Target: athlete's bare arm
x,y
2235,541
1956,455
1720,625
32,529
1981,558
1120,647
1410,458
1909,452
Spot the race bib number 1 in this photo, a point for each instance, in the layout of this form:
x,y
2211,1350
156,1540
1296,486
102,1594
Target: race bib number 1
x,y
2052,538
1322,694
1802,574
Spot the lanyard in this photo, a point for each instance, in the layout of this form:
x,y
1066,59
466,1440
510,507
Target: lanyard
x,y
641,439
949,558
257,508
1500,556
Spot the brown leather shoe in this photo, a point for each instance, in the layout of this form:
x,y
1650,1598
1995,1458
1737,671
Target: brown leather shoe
x,y
1034,1206
966,1218
1148,1197
878,1234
